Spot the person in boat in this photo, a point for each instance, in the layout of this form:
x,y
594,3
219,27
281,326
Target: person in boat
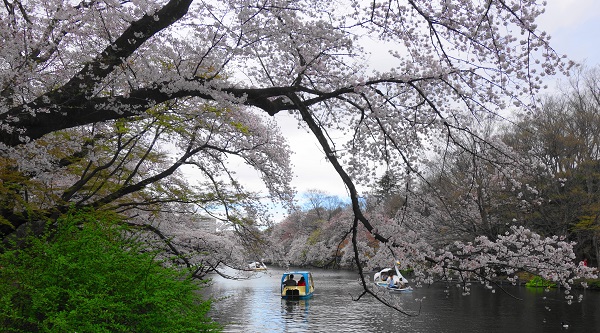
x,y
391,281
302,282
384,276
290,280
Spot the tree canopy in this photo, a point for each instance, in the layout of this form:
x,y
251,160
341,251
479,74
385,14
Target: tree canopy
x,y
90,90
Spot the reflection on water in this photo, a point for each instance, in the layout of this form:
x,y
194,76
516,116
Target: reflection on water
x,y
255,305
295,315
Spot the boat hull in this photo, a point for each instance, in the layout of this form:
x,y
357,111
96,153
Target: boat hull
x,y
292,296
394,290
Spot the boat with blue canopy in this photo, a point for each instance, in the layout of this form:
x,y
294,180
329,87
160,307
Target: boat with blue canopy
x,y
297,285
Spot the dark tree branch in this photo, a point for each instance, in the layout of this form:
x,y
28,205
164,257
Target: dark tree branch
x,y
74,95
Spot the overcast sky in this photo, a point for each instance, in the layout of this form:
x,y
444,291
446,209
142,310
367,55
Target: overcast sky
x,y
574,26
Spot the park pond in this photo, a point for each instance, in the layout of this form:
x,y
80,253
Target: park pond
x,y
255,305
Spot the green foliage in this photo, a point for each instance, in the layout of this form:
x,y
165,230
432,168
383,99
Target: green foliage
x,y
538,282
89,275
407,272
593,284
12,185
315,236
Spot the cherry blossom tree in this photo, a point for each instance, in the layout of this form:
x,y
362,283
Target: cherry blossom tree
x,y
184,244
125,166
563,138
314,235
67,64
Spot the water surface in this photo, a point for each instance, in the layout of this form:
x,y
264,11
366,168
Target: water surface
x,y
255,306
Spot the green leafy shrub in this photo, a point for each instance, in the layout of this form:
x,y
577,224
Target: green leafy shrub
x,y
89,275
593,284
538,282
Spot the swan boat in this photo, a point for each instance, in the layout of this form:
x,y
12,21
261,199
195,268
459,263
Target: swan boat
x,y
382,280
257,266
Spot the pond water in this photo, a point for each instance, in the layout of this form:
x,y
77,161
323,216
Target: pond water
x,y
255,305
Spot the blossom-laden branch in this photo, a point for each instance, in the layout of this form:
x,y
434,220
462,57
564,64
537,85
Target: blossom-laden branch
x,y
125,167
519,250
118,75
